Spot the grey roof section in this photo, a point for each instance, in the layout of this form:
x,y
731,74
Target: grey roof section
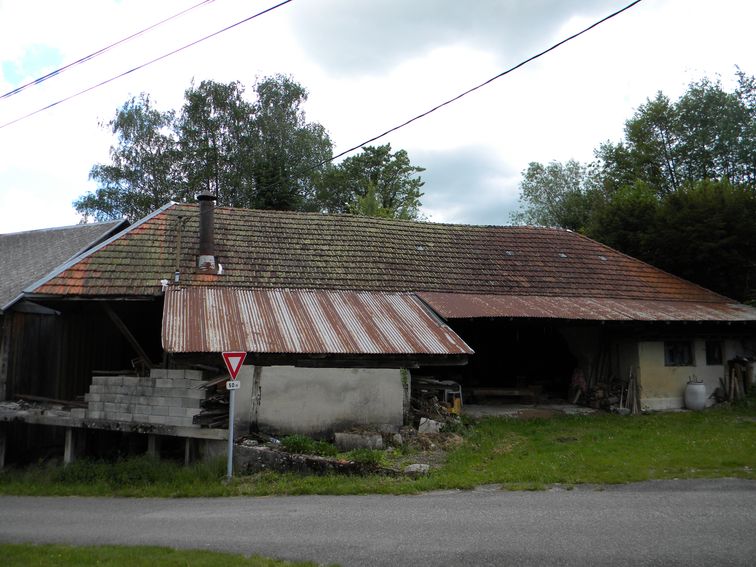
x,y
28,256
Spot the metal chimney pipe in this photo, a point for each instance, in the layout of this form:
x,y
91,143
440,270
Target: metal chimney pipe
x,y
206,257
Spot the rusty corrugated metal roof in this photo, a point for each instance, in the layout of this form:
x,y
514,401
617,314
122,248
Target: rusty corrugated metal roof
x,y
215,319
468,305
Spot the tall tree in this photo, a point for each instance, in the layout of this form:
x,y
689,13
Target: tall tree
x,y
257,154
144,172
285,147
213,132
708,133
374,182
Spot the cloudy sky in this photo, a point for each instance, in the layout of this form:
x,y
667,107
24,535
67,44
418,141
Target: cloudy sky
x,y
368,65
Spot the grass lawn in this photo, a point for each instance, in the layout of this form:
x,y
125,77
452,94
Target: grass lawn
x,y
524,454
28,555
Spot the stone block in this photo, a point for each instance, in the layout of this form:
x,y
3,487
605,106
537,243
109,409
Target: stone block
x,y
96,406
91,414
350,441
97,389
187,393
160,410
144,410
141,418
417,469
79,413
189,403
158,419
174,402
429,425
124,416
178,421
164,382
176,412
191,412
111,407
131,381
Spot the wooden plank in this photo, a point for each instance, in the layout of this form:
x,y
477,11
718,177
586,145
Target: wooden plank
x,y
5,333
70,403
127,335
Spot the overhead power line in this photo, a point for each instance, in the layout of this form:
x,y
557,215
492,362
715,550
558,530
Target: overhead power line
x,y
481,85
143,65
91,56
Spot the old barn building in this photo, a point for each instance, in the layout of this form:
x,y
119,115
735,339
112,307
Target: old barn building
x,y
338,313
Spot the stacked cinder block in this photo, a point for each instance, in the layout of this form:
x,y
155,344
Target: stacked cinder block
x,y
166,397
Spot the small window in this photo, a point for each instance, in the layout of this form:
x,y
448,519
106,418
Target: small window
x,y
713,353
678,353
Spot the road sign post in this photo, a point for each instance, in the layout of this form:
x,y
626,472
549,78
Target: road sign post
x,y
233,361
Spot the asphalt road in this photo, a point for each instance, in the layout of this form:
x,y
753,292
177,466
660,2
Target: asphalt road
x,y
654,523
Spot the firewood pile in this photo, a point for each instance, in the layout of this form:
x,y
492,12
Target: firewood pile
x,y
617,395
214,414
734,386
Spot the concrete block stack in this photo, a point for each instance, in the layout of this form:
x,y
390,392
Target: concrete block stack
x,y
166,397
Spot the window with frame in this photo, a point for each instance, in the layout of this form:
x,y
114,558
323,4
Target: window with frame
x,y
678,353
713,353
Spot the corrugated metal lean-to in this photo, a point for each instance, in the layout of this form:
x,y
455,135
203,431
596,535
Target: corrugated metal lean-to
x,y
214,319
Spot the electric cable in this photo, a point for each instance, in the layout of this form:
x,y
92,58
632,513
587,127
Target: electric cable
x,y
142,66
483,84
91,56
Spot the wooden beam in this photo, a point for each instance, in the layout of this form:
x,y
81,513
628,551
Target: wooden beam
x,y
127,334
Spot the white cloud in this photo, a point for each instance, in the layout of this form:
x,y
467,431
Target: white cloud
x,y
559,107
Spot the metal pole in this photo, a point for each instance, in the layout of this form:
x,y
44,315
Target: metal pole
x,y
230,466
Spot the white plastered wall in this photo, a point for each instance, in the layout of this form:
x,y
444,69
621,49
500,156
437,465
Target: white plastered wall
x,y
318,401
663,387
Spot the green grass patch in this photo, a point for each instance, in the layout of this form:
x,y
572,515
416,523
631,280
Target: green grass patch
x,y
520,454
303,445
28,555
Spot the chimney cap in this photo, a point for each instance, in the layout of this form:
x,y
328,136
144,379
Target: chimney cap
x,y
206,196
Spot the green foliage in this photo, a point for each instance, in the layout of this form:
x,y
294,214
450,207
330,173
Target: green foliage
x,y
366,456
557,195
23,555
303,445
375,182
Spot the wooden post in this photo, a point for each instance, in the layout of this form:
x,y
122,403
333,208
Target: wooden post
x,y
69,452
189,450
153,446
3,434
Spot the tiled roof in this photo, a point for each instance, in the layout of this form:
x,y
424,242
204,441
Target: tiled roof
x,y
28,256
271,249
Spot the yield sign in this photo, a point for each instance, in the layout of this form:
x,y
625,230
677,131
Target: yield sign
x,y
234,361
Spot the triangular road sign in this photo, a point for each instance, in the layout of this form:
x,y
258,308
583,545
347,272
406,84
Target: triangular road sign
x,y
234,361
